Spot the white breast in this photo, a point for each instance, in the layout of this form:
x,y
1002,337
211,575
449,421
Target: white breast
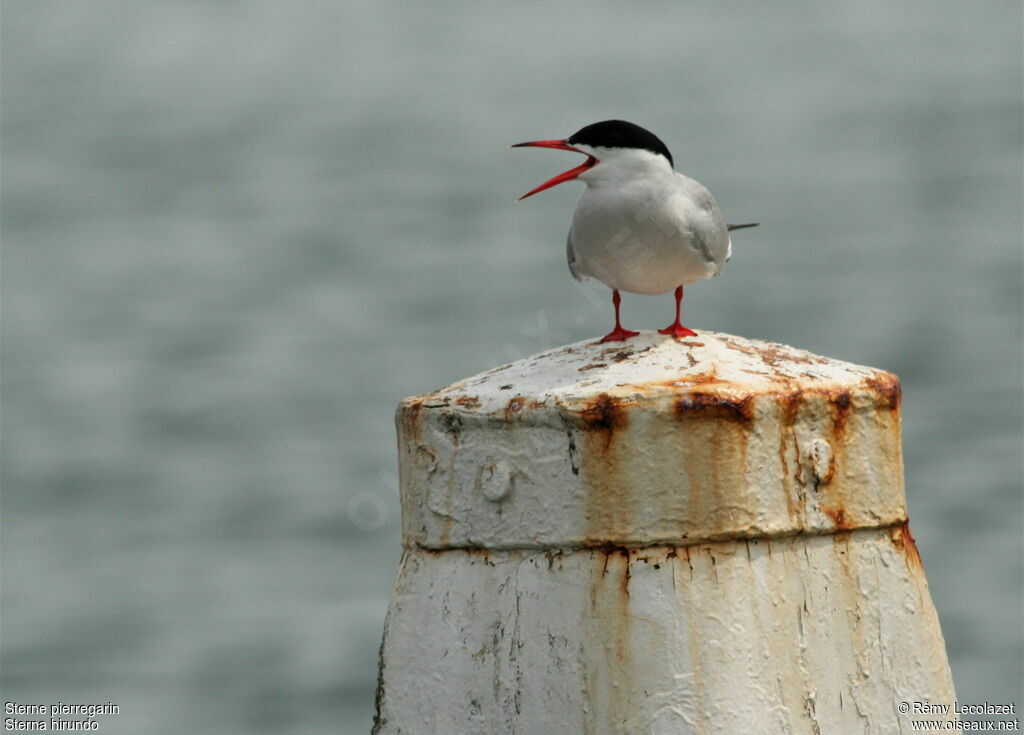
x,y
647,234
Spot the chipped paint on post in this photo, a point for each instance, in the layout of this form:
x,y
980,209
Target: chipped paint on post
x,y
669,536
666,442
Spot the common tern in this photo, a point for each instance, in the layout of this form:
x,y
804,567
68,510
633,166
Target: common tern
x,y
638,226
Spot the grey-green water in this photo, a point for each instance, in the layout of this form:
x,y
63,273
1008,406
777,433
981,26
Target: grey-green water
x,y
235,234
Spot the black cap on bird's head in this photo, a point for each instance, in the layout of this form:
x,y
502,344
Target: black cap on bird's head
x,y
605,134
619,134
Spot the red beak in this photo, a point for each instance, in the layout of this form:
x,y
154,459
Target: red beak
x,y
568,175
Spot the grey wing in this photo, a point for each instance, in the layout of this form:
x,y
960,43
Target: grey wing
x,y
709,230
570,255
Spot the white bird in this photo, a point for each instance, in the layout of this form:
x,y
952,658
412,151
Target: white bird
x,y
639,226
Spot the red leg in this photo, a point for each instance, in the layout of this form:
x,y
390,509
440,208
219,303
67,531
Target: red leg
x,y
676,329
618,334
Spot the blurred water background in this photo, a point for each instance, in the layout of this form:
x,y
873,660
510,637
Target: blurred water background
x,y
235,234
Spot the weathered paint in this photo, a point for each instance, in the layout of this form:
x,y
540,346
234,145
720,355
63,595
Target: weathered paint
x,y
701,536
655,442
793,635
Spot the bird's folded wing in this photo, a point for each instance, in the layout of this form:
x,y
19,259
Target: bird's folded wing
x,y
708,230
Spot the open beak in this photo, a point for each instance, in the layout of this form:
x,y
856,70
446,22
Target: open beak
x,y
568,175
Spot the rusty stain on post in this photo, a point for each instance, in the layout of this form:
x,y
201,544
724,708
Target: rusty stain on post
x,y
631,539
803,444
603,416
907,544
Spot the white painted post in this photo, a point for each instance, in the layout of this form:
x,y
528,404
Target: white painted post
x,y
700,536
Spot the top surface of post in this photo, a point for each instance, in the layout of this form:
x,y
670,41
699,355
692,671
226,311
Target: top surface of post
x,y
653,441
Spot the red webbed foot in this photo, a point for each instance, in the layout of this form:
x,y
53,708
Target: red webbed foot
x,y
618,335
678,331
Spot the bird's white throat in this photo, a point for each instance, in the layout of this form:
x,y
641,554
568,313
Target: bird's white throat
x,y
617,166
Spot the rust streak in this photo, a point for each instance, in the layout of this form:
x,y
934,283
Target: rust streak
x,y
618,355
715,406
841,409
409,416
887,386
773,354
838,516
784,437
790,406
593,366
514,406
468,401
603,414
904,541
685,380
